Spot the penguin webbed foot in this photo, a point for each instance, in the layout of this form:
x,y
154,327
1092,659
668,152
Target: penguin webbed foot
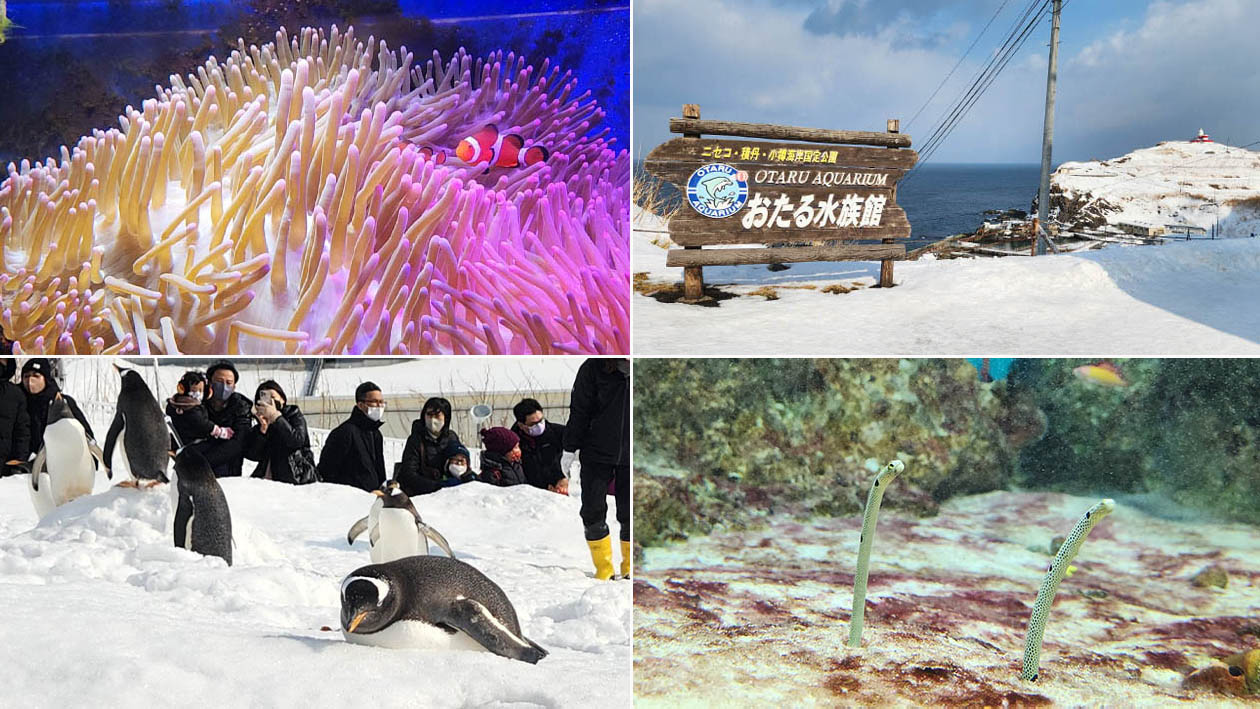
x,y
131,482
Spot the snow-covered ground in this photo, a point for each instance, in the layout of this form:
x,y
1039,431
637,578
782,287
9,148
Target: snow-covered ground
x,y
104,611
1177,299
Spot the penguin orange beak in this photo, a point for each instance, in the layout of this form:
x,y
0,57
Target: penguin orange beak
x,y
355,623
378,493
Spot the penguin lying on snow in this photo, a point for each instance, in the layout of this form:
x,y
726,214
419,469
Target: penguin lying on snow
x,y
139,430
63,468
203,522
394,527
431,601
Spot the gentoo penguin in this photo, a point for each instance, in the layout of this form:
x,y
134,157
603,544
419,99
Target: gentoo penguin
x,y
139,430
432,602
394,527
63,468
203,522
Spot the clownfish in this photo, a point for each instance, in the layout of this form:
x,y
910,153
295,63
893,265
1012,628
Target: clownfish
x,y
1104,374
499,150
437,156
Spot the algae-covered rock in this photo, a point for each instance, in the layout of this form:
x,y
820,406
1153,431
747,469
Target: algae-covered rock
x,y
806,437
1184,431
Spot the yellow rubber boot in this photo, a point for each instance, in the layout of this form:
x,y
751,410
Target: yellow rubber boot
x,y
625,559
601,554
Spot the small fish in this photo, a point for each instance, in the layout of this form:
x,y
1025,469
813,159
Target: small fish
x,y
437,156
1103,374
499,149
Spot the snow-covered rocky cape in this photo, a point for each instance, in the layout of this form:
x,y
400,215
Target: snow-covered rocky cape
x,y
102,610
1172,184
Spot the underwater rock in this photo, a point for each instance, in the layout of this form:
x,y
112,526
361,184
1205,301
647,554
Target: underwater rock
x,y
1213,575
294,198
805,437
1185,433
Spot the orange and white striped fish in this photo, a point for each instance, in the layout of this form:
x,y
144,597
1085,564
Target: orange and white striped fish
x,y
499,149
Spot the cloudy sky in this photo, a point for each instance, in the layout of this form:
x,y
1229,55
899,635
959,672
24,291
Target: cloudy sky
x,y
1132,72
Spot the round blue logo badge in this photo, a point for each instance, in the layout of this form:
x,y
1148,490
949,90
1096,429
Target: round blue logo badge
x,y
717,190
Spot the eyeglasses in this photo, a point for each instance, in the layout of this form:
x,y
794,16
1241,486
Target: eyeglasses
x,y
375,404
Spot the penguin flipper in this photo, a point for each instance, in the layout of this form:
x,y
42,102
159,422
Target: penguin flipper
x,y
111,440
40,459
356,530
480,624
95,450
183,522
436,536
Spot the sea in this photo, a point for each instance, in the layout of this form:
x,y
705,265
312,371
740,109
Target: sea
x,y
946,199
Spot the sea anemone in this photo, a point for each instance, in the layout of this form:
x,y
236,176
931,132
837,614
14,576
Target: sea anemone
x,y
288,199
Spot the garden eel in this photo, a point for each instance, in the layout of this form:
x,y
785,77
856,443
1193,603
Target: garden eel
x,y
1054,574
876,495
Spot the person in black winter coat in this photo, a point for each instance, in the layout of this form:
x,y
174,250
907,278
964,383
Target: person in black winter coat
x,y
542,444
189,418
41,389
420,471
15,422
354,452
501,459
599,427
230,414
279,442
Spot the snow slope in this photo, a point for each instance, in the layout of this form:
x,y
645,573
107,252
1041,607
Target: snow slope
x,y
1177,182
1177,299
102,610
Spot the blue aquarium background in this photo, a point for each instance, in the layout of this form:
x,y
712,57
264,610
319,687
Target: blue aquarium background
x,y
71,67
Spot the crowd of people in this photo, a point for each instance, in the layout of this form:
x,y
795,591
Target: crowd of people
x,y
207,413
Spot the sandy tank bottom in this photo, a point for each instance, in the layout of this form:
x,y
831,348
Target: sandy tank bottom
x,y
762,616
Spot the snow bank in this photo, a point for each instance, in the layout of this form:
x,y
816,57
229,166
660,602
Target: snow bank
x,y
104,610
1177,299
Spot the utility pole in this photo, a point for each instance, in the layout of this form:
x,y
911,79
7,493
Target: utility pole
x,y
1047,139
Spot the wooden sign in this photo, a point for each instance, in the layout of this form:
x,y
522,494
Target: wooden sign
x,y
743,191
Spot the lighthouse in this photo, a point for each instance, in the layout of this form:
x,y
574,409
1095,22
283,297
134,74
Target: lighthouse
x,y
1202,137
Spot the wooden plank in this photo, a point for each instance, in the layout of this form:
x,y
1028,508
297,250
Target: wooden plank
x,y
774,132
687,228
678,153
792,254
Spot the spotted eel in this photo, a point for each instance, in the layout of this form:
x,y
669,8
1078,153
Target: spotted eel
x,y
876,495
1054,574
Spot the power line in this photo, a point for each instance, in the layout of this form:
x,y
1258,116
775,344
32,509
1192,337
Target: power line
x,y
958,63
1014,43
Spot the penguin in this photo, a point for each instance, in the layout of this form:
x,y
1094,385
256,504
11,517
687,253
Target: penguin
x,y
432,602
63,469
139,430
395,528
203,522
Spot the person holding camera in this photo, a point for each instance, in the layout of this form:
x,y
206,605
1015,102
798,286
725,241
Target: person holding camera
x,y
279,441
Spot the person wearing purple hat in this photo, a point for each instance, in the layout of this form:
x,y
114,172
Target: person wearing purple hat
x,y
501,459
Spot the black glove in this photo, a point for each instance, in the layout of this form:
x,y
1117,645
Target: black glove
x,y
468,477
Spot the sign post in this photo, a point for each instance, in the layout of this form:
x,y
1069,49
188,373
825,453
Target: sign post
x,y
812,200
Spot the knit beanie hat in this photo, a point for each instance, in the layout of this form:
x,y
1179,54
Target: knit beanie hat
x,y
499,440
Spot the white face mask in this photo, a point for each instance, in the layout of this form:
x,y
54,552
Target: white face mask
x,y
537,429
456,469
376,413
434,424
196,395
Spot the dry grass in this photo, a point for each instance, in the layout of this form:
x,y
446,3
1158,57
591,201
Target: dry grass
x,y
649,194
767,292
